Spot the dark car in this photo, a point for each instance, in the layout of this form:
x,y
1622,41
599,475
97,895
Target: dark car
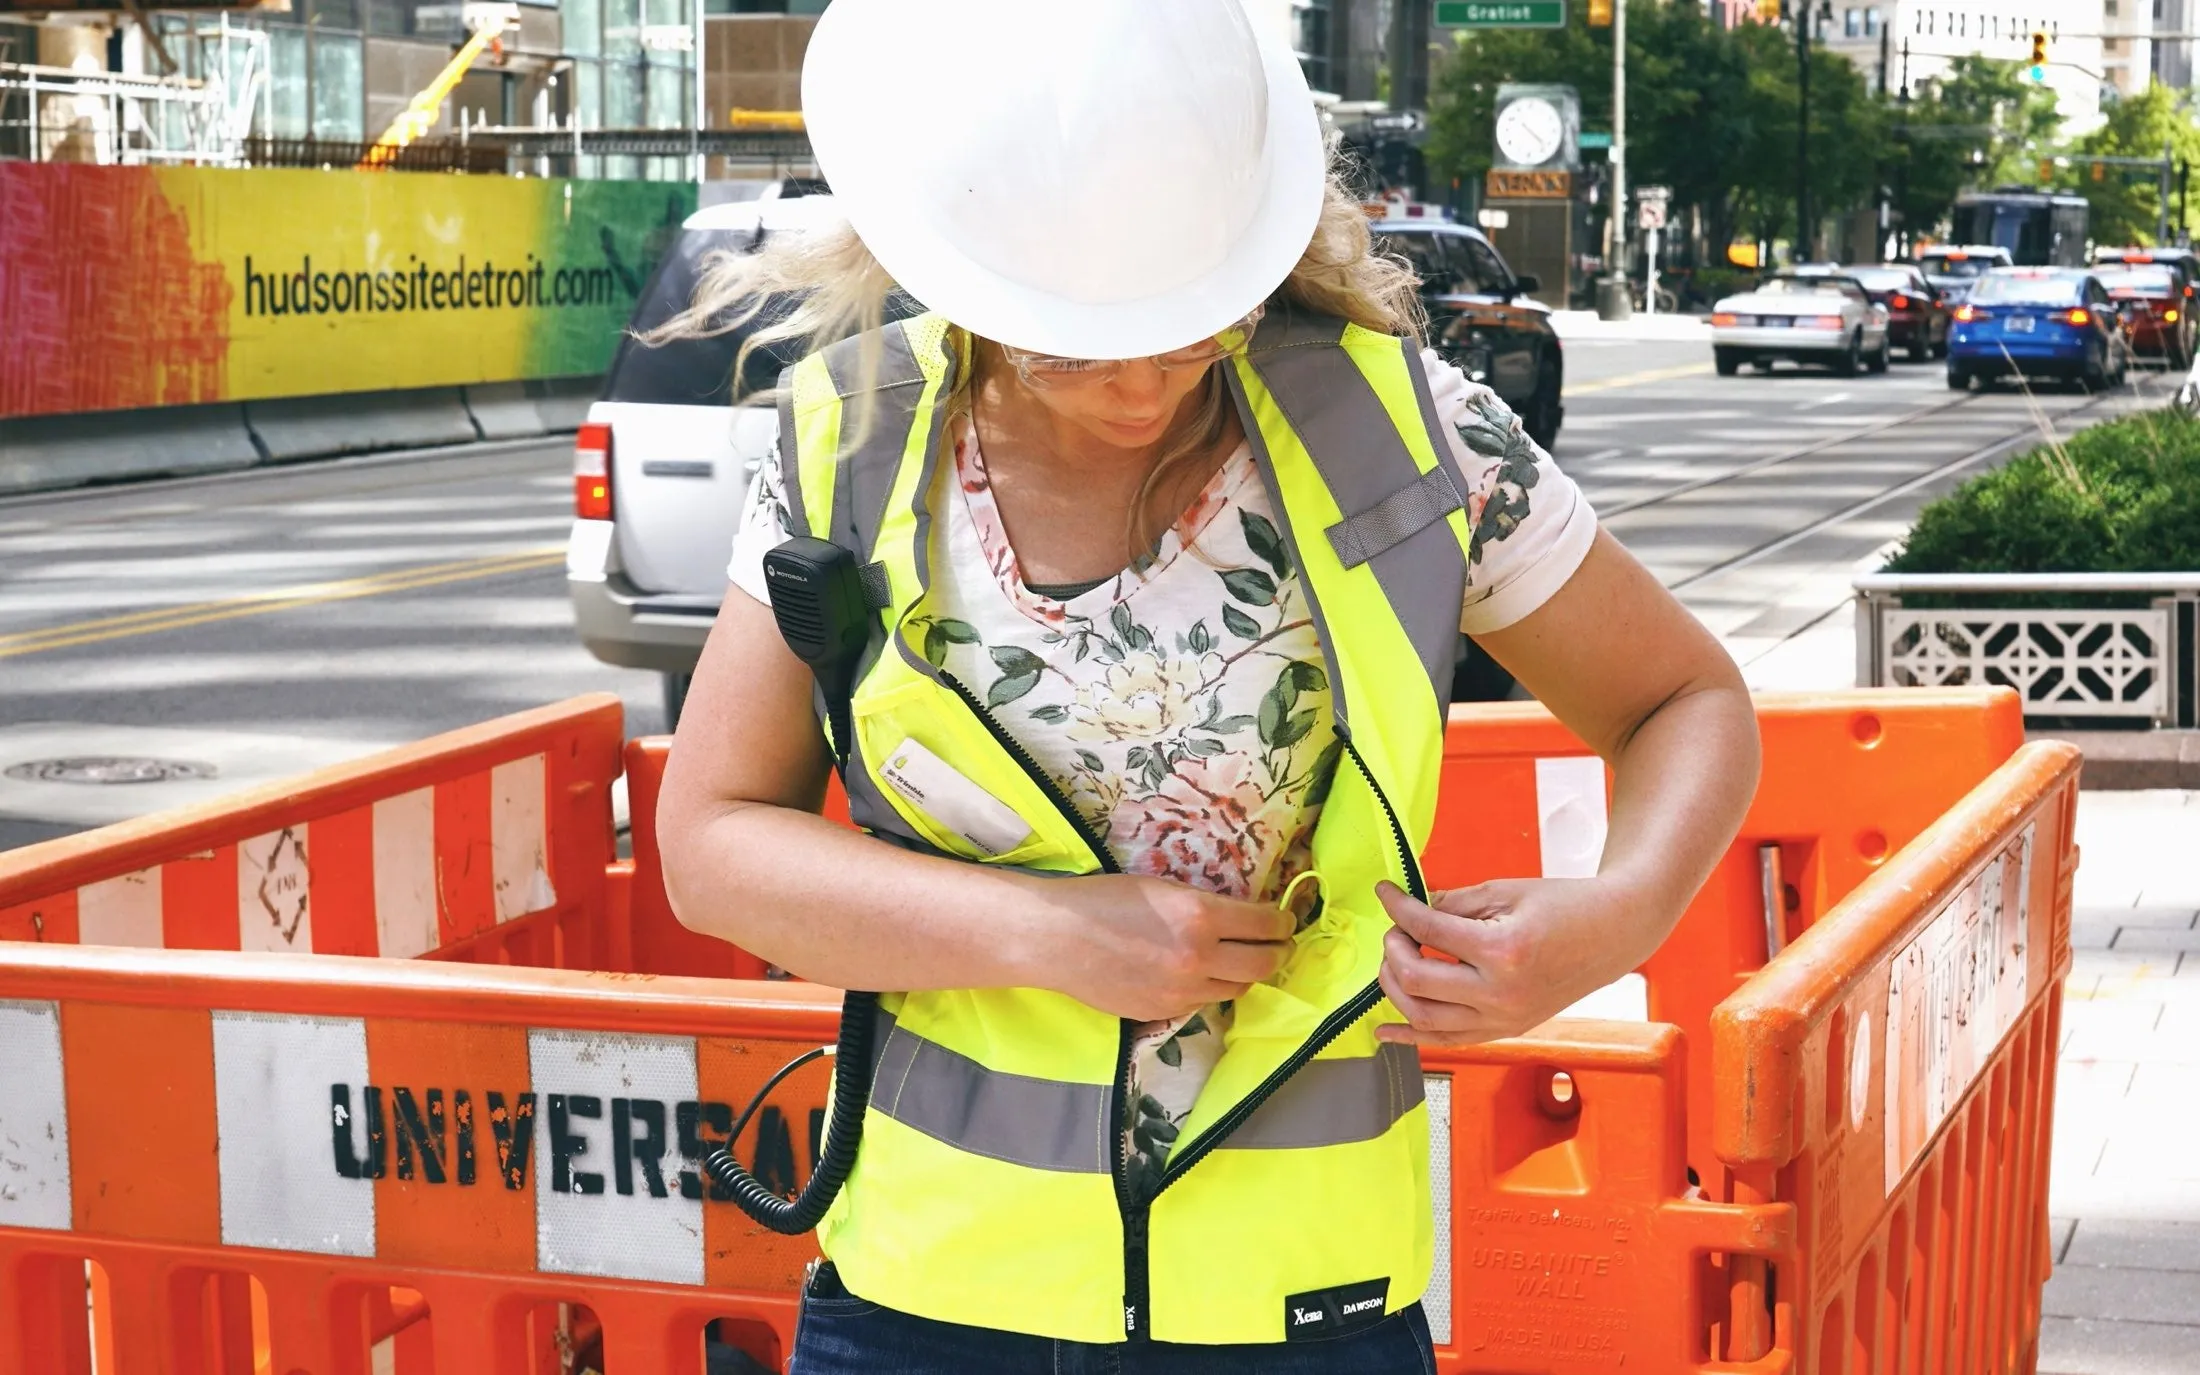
x,y
1917,320
1954,269
1482,319
2156,302
2037,322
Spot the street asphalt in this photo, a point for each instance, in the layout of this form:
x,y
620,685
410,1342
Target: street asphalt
x,y
427,593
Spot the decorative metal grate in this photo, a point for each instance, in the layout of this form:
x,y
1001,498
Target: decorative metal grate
x,y
2063,663
2129,663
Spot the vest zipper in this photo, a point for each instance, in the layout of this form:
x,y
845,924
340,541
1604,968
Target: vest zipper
x,y
1331,1027
1133,1210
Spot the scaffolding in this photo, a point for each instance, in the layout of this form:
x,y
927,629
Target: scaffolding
x,y
205,119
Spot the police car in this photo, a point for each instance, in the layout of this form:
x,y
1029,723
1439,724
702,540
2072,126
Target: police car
x,y
1481,316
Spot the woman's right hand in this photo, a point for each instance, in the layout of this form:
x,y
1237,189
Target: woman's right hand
x,y
1151,949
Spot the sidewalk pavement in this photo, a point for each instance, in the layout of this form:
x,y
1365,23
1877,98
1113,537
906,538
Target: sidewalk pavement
x,y
2125,1188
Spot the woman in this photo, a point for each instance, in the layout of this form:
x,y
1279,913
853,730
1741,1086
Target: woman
x,y
1170,530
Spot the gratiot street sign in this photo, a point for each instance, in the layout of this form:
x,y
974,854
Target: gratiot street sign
x,y
1501,14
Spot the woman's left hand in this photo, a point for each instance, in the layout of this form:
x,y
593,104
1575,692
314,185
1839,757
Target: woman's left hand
x,y
1527,949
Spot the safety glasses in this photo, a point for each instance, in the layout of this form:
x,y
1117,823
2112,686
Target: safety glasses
x,y
1047,372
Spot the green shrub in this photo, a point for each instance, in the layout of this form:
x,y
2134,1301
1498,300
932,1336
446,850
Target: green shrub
x,y
2121,497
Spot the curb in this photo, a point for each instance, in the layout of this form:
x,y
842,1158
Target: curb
x,y
2131,760
46,453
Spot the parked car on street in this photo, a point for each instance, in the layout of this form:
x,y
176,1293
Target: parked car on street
x,y
2037,322
1482,317
664,462
2156,302
1954,269
1807,317
1917,321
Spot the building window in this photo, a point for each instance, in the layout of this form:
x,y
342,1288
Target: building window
x,y
339,88
1872,22
289,108
1852,24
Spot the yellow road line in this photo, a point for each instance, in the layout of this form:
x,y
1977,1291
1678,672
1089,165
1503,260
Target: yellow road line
x,y
1636,379
263,603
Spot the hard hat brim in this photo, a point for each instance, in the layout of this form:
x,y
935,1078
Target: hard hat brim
x,y
863,156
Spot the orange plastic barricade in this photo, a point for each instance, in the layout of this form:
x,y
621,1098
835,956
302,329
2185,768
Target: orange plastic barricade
x,y
334,1166
491,843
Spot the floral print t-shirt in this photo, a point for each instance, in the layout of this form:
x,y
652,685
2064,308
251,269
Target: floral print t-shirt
x,y
1183,706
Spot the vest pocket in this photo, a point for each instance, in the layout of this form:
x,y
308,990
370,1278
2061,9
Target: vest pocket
x,y
916,747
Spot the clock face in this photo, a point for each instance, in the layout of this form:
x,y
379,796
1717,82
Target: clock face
x,y
1529,132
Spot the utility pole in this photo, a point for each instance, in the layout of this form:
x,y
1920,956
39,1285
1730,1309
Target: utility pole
x,y
1612,299
1886,214
1804,250
2161,221
1904,243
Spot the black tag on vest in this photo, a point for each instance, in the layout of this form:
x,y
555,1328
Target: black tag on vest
x,y
1334,1312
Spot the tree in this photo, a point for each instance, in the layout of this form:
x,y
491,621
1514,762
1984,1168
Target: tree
x,y
1982,125
2126,200
1710,111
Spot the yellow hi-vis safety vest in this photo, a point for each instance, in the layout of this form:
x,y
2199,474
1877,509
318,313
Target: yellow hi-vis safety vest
x,y
990,1189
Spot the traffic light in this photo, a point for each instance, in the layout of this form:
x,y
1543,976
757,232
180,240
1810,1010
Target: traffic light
x,y
2039,55
1600,14
2047,170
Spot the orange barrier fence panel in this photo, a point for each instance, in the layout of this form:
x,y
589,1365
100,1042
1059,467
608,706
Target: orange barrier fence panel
x,y
489,843
1849,778
442,1155
1875,1198
1894,1074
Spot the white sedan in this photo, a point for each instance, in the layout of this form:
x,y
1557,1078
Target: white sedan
x,y
1808,318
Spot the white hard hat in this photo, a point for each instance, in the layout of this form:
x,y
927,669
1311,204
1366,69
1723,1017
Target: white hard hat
x,y
1089,178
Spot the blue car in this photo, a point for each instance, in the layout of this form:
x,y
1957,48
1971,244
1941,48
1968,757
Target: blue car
x,y
2037,322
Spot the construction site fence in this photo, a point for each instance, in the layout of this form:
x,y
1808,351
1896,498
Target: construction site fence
x,y
1819,1145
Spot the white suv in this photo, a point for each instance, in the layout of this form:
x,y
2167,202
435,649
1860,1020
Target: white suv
x,y
663,465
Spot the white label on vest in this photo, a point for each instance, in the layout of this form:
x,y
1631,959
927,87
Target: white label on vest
x,y
928,781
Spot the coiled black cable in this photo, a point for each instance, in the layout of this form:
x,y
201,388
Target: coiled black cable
x,y
851,1098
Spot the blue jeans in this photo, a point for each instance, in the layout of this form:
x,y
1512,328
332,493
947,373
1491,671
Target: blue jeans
x,y
841,1334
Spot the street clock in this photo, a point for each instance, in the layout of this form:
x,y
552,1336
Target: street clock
x,y
1538,128
1530,131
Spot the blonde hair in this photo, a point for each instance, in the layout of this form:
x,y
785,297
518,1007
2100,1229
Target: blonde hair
x,y
838,290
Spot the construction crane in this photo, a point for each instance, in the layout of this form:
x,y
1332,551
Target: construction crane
x,y
489,23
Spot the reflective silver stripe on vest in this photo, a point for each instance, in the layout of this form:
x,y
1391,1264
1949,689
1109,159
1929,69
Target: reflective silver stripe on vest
x,y
1364,461
786,453
1404,513
1334,1102
1044,1124
1047,1124
868,468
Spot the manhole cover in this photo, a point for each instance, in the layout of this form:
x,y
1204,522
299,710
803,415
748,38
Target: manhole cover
x,y
108,768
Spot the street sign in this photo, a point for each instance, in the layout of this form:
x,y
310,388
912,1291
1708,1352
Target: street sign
x,y
1501,14
1595,138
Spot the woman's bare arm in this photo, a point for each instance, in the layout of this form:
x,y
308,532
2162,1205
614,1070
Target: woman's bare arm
x,y
748,860
1627,668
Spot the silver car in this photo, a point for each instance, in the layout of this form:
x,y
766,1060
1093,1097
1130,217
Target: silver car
x,y
1813,317
663,465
